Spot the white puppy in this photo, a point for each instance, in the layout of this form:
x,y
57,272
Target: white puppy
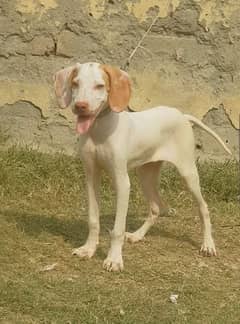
x,y
116,140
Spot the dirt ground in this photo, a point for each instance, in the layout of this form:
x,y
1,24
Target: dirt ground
x,y
43,216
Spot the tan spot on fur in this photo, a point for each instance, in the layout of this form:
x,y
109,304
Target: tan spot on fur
x,y
72,76
105,78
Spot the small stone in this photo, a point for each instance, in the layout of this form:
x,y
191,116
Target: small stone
x,y
202,265
121,311
173,298
49,267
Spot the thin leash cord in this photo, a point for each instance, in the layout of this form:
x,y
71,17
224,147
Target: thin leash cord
x,y
127,64
125,67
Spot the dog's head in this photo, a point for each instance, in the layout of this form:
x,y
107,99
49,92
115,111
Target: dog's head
x,y
91,88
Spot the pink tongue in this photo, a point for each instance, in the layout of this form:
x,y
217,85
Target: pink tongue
x,y
83,124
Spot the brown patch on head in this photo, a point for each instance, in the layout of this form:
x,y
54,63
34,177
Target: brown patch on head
x,y
106,79
72,76
119,88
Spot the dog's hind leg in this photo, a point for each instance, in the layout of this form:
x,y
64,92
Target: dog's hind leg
x,y
148,175
189,172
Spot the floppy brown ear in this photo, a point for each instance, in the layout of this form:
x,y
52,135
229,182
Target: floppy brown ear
x,y
63,87
119,88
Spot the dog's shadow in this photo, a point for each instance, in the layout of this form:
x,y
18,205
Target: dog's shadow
x,y
157,230
74,230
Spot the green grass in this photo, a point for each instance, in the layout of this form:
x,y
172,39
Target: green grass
x,y
43,216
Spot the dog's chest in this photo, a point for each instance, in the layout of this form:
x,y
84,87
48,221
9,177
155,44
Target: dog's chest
x,y
100,153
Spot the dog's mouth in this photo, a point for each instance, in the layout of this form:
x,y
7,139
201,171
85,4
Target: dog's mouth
x,y
84,123
85,120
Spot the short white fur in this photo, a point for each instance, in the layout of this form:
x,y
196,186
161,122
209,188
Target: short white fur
x,y
118,142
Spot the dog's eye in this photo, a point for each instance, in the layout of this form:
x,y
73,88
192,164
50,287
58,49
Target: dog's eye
x,y
99,86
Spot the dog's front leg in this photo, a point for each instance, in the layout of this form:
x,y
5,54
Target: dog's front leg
x,y
93,179
114,261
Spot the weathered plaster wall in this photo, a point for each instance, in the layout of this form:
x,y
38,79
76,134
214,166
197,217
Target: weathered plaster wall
x,y
190,60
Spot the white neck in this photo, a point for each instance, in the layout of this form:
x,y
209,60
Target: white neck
x,y
104,125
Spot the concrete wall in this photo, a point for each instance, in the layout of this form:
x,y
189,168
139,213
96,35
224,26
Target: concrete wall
x,y
190,60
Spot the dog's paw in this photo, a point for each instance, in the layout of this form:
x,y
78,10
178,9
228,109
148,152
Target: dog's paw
x,y
84,252
113,264
133,237
208,249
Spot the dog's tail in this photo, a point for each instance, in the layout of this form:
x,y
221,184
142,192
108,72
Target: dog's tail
x,y
208,130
